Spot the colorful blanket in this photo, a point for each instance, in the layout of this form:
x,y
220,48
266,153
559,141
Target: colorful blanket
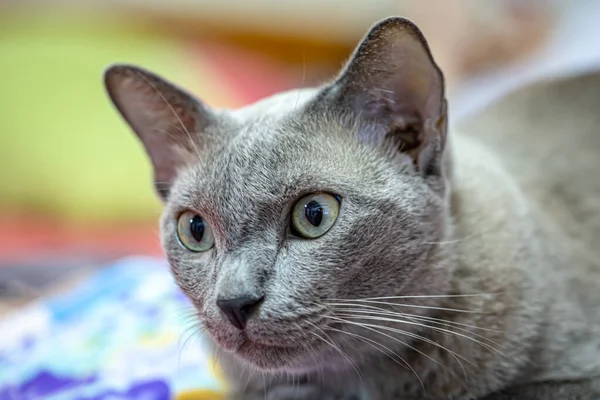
x,y
125,333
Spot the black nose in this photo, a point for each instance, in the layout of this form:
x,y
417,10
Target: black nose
x,y
239,309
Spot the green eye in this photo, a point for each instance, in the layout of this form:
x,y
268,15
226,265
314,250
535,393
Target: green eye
x,y
314,215
194,233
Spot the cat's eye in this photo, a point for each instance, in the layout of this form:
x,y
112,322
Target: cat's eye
x,y
314,215
194,233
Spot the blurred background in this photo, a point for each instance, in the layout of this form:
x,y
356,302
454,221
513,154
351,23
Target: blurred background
x,y
75,186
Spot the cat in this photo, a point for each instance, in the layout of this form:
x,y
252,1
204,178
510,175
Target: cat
x,y
338,243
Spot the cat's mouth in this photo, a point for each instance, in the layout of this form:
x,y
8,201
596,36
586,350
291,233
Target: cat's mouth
x,y
268,349
258,343
268,356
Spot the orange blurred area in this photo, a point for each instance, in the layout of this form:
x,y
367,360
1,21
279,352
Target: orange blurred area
x,y
29,238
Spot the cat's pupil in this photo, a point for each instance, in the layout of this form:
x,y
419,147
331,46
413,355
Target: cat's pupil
x,y
314,212
197,228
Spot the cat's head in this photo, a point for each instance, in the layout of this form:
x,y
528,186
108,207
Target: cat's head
x,y
280,215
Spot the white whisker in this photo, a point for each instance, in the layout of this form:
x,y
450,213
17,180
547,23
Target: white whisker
x,y
487,346
468,237
191,332
314,351
248,375
373,327
173,137
439,321
303,79
404,305
375,345
412,318
333,345
425,296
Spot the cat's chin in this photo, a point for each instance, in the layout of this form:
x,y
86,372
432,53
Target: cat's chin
x,y
275,358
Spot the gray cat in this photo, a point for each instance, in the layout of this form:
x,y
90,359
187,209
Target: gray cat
x,y
339,244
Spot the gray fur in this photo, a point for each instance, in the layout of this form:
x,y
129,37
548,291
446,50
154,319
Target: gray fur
x,y
463,223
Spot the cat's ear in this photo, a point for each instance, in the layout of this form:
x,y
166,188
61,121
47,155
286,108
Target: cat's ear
x,y
165,118
392,81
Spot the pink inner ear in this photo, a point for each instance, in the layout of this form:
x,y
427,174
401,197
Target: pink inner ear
x,y
156,106
163,116
392,74
393,82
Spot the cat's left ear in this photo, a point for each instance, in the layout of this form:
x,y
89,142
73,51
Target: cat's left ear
x,y
170,122
393,83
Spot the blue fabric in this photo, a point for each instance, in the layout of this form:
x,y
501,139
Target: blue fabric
x,y
127,332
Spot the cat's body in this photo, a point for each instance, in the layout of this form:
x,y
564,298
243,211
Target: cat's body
x,y
547,137
449,273
509,240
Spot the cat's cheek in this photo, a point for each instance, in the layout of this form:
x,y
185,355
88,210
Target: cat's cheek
x,y
189,274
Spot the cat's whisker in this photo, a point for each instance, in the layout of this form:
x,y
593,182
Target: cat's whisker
x,y
448,325
400,321
379,346
460,240
314,351
189,312
216,360
424,296
375,345
189,316
457,325
165,132
418,337
320,376
191,332
330,342
193,325
248,375
415,319
353,302
192,141
187,330
303,79
373,328
339,351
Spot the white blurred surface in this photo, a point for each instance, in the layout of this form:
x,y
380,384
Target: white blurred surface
x,y
574,48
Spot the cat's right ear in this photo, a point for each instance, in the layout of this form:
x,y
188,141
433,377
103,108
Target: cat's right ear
x,y
165,118
392,83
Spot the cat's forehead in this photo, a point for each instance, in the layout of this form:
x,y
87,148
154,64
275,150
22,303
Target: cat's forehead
x,y
278,105
269,157
277,149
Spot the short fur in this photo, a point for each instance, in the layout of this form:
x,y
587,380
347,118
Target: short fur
x,y
458,268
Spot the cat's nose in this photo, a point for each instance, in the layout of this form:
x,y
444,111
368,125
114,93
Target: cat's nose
x,y
238,310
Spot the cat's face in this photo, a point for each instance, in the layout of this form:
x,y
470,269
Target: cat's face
x,y
280,215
